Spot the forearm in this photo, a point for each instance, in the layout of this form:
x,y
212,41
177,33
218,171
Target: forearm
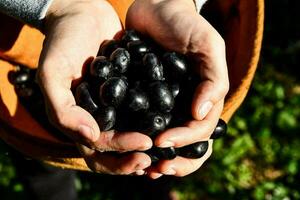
x,y
29,11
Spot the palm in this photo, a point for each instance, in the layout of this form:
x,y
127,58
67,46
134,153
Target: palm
x,y
171,28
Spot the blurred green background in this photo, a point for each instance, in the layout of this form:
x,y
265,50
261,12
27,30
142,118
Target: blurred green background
x,y
260,157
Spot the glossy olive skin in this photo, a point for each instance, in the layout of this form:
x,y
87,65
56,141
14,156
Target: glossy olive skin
x,y
101,69
152,69
106,118
167,153
196,150
113,91
137,49
120,59
152,123
137,100
161,97
175,89
157,154
220,130
21,77
129,36
84,98
168,118
108,47
175,65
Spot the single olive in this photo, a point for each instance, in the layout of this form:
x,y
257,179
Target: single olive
x,y
21,77
129,36
101,69
106,118
84,98
107,47
153,69
152,123
113,91
137,49
220,130
175,89
137,100
196,150
160,96
175,65
168,118
120,59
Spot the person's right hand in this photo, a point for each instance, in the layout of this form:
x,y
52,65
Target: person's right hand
x,y
74,31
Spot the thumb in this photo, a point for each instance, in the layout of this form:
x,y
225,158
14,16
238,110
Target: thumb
x,y
212,68
63,112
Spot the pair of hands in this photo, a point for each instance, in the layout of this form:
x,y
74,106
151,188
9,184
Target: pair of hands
x,y
75,29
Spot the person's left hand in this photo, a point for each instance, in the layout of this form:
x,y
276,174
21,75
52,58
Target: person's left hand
x,y
177,26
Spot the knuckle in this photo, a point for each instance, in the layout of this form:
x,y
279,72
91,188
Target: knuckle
x,y
223,89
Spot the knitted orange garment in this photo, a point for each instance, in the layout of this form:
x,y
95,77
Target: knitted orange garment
x,y
22,44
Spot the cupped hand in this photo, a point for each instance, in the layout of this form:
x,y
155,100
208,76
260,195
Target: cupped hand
x,y
177,26
74,31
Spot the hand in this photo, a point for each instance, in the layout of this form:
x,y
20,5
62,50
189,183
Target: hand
x,y
177,26
74,31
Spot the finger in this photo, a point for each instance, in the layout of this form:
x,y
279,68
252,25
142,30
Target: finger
x,y
153,173
122,142
111,164
181,166
72,120
194,131
210,63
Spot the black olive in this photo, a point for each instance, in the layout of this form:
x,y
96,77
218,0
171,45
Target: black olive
x,y
166,153
196,150
220,130
101,69
175,65
168,118
129,36
113,91
175,88
160,96
137,100
108,47
157,154
120,59
84,98
21,77
152,123
153,69
106,118
137,49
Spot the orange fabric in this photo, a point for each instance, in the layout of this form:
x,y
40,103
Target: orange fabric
x,y
242,22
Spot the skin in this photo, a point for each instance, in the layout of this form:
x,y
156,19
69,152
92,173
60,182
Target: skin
x,y
177,26
74,31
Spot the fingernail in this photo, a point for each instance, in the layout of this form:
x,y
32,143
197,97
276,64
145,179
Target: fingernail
x,y
140,172
166,144
85,150
204,109
87,133
170,172
156,175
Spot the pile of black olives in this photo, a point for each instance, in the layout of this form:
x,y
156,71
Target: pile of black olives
x,y
132,85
